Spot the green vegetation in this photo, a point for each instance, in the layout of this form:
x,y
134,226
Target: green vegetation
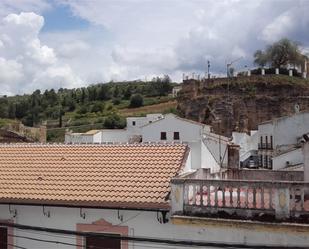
x,y
280,54
93,107
136,100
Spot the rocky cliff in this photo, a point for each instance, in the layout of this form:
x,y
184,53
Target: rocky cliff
x,y
240,104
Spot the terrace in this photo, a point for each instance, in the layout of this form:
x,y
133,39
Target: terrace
x,y
241,199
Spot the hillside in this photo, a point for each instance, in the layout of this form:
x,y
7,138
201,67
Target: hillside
x,y
249,101
95,106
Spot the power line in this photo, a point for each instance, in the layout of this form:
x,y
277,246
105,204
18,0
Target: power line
x,y
70,236
82,246
144,239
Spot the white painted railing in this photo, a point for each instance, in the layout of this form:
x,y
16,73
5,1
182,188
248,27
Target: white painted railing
x,y
249,199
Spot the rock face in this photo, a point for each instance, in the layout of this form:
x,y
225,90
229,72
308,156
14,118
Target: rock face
x,y
240,104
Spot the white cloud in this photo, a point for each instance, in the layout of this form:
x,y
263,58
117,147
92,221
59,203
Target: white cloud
x,y
174,36
27,64
130,39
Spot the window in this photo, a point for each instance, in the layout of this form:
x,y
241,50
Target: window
x,y
176,135
103,243
266,139
3,238
163,135
150,121
104,227
133,123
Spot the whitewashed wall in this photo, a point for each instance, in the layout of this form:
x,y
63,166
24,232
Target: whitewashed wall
x,y
141,121
208,161
144,224
246,142
97,138
294,157
114,135
306,161
286,130
78,138
217,145
189,132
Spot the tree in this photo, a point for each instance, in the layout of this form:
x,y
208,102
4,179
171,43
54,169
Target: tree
x,y
260,58
280,54
136,100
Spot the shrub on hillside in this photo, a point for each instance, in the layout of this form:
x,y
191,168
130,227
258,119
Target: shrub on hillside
x,y
114,121
136,100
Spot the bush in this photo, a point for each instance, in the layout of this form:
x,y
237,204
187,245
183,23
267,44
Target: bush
x,y
136,100
97,107
82,110
116,101
114,121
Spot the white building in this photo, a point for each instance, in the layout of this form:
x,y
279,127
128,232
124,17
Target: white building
x,y
132,133
89,137
208,150
103,196
277,142
248,148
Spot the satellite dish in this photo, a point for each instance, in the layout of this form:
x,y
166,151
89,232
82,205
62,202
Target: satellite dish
x,y
296,108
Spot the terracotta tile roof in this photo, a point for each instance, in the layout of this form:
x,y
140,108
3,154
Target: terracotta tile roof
x,y
117,175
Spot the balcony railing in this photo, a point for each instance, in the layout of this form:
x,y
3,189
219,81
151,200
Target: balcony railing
x,y
247,199
265,146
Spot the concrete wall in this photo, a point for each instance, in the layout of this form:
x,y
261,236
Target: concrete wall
x,y
110,135
293,157
264,175
145,224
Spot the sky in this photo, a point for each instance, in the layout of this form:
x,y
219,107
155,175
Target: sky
x,y
71,43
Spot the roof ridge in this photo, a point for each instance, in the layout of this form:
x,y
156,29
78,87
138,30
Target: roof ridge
x,y
25,145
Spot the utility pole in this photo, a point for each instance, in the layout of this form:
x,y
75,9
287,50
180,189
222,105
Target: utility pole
x,y
208,69
228,65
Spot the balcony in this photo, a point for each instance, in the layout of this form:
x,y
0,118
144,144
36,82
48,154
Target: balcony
x,y
265,146
256,200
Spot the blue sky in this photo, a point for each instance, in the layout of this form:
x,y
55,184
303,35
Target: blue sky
x,y
71,43
61,18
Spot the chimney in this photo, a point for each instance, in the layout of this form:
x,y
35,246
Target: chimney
x,y
233,156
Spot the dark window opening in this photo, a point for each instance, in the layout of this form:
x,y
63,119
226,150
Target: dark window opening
x,y
150,122
271,142
3,238
163,135
266,141
176,135
103,242
133,123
